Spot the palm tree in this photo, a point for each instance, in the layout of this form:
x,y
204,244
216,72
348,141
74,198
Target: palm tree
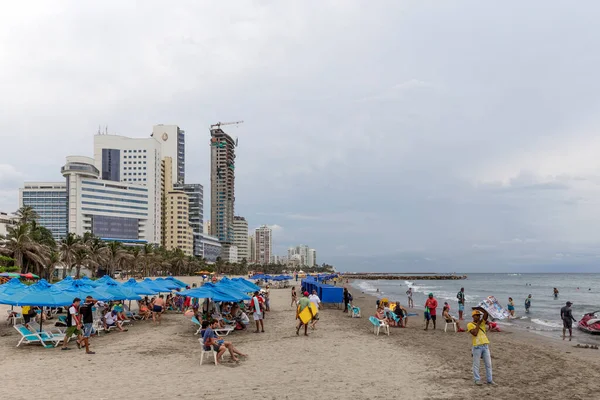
x,y
178,261
148,258
26,215
81,258
68,247
115,256
97,252
20,245
136,259
53,260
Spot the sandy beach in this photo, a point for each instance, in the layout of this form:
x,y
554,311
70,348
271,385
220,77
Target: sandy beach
x,y
341,359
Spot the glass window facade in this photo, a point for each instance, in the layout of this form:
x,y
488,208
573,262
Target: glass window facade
x,y
115,227
51,206
111,164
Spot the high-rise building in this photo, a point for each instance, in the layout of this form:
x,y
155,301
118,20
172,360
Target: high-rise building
x,y
240,238
206,228
222,187
172,140
178,234
49,201
252,248
112,211
137,161
195,193
263,245
312,258
211,248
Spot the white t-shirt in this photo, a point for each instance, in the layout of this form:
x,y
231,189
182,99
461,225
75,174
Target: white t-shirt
x,y
315,300
110,319
244,318
74,315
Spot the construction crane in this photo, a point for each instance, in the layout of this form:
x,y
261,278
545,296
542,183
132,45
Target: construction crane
x,y
219,124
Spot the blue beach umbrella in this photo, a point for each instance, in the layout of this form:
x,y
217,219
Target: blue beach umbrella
x,y
138,287
149,283
169,285
12,286
248,284
177,281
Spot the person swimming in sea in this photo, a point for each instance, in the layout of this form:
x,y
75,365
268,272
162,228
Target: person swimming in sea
x,y
527,303
555,293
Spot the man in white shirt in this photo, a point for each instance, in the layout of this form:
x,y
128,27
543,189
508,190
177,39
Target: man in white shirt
x,y
317,302
111,319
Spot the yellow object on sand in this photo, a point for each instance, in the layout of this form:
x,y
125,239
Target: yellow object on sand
x,y
305,315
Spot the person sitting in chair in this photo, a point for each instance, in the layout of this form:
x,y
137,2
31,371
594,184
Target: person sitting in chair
x,y
450,319
111,318
212,340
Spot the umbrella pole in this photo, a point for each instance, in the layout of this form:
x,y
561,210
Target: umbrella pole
x,y
42,319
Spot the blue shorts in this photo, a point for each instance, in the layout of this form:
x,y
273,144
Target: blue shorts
x,y
461,307
88,330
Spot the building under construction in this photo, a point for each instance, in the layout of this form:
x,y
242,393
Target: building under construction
x,y
222,185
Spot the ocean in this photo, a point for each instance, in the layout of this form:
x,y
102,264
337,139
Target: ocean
x,y
583,290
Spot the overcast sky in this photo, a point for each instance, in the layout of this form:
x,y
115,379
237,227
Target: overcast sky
x,y
388,135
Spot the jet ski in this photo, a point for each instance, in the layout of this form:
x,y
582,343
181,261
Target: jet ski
x,y
590,323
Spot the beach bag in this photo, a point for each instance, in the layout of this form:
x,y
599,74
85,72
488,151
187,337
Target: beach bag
x,y
350,298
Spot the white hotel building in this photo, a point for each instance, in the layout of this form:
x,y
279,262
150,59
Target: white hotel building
x,y
136,161
110,210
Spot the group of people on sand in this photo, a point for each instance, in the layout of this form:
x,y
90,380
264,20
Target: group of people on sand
x,y
301,304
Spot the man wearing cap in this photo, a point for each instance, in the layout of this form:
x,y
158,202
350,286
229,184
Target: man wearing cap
x,y
480,345
567,318
430,312
302,304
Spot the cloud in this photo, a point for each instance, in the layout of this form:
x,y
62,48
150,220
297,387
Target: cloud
x,y
432,153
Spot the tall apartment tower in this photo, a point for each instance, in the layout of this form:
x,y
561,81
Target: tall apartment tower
x,y
178,233
240,237
195,192
172,140
252,249
137,161
50,201
222,188
263,245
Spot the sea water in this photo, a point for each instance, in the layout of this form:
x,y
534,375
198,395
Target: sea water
x,y
583,290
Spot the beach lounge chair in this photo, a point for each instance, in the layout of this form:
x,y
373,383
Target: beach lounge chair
x,y
196,322
378,324
450,322
225,331
29,337
353,311
211,351
35,326
133,316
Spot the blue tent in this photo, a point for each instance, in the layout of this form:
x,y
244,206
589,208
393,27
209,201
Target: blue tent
x,y
77,289
88,281
251,286
13,286
68,281
138,288
235,285
229,290
280,278
216,293
258,276
116,289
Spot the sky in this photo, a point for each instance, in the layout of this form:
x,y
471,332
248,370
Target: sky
x,y
409,136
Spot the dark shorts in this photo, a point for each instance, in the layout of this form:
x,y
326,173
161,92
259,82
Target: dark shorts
x,y
157,308
567,324
72,330
432,317
215,347
27,318
316,317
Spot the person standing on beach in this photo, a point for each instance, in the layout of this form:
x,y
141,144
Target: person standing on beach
x,y
430,306
480,345
302,304
294,296
346,299
409,293
258,312
87,318
73,324
527,303
461,303
567,318
317,302
555,293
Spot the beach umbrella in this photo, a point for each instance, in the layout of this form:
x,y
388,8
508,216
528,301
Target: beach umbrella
x,y
176,281
29,275
13,286
10,275
116,289
68,281
248,284
82,291
89,281
169,285
138,288
154,286
41,294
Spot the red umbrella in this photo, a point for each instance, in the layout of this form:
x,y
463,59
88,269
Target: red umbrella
x,y
29,275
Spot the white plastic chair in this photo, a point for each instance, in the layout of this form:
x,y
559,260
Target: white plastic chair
x,y
378,324
451,322
211,351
